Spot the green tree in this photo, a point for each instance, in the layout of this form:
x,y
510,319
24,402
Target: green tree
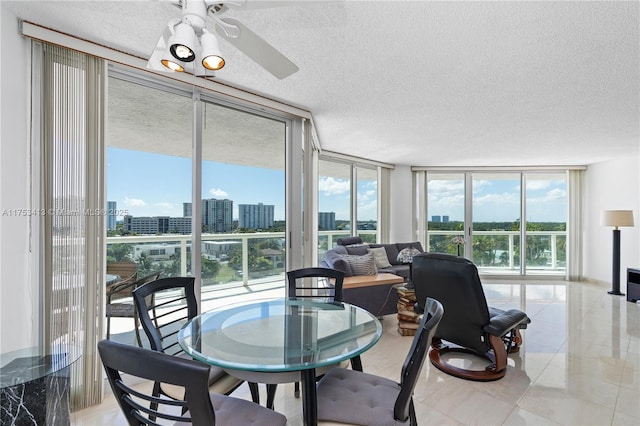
x,y
118,252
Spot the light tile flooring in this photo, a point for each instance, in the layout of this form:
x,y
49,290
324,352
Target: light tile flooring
x,y
579,365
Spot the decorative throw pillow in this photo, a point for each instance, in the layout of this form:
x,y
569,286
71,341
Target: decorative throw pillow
x,y
362,265
380,256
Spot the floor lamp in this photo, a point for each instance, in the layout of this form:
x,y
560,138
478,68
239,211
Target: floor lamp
x,y
616,218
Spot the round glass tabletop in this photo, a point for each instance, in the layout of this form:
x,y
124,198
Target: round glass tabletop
x,y
280,335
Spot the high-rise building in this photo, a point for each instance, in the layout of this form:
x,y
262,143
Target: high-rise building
x,y
111,215
157,225
255,216
146,224
326,221
217,215
436,218
186,209
445,218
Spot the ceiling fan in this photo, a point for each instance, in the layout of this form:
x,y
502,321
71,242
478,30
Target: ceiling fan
x,y
187,45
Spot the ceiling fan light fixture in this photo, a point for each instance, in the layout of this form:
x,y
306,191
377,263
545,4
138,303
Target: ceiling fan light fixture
x,y
172,65
182,43
211,56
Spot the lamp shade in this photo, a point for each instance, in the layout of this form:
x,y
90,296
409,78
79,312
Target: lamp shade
x,y
211,57
617,218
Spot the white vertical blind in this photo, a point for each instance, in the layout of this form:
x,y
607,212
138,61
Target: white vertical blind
x,y
72,147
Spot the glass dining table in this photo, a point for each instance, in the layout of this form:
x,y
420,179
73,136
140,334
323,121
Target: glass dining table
x,y
281,340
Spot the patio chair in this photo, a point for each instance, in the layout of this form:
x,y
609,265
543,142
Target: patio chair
x,y
119,304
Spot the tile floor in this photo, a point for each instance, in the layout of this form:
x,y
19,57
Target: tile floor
x,y
579,365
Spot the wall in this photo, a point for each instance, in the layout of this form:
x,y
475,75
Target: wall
x,y
18,291
611,185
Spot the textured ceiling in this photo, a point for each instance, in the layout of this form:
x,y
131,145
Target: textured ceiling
x,y
424,83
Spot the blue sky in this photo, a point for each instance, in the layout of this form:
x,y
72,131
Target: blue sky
x,y
498,200
148,184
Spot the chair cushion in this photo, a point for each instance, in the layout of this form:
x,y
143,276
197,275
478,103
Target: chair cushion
x,y
362,265
357,398
235,411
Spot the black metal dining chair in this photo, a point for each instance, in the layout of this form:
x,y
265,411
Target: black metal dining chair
x,y
164,306
318,284
358,398
198,407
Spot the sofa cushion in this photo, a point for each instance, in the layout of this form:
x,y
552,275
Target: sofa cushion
x,y
340,250
380,256
357,249
336,261
347,241
362,265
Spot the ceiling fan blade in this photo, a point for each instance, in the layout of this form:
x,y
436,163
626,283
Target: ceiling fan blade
x,y
256,4
258,50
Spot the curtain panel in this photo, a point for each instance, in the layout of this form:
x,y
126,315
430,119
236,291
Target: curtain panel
x,y
71,96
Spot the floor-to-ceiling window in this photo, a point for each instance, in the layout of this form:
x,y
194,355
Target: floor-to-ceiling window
x,y
179,162
366,203
486,215
334,203
243,198
495,212
445,213
349,200
148,182
546,217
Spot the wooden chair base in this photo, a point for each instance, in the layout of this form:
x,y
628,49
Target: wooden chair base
x,y
497,357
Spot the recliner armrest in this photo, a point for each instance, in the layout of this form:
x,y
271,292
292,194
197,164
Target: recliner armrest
x,y
504,321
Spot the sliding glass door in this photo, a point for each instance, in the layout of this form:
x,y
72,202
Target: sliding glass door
x,y
546,211
445,213
242,200
367,203
487,215
195,186
495,208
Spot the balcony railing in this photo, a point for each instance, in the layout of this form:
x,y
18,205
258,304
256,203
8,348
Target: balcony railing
x,y
499,251
239,258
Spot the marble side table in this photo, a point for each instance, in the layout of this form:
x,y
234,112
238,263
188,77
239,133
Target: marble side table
x,y
34,386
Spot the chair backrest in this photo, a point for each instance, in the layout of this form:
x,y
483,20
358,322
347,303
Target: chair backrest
x,y
315,283
142,363
128,273
125,269
454,281
164,306
415,358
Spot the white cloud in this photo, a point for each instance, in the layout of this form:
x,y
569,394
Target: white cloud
x,y
556,194
219,193
134,202
332,186
164,205
533,185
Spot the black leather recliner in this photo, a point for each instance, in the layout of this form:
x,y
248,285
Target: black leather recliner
x,y
468,323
